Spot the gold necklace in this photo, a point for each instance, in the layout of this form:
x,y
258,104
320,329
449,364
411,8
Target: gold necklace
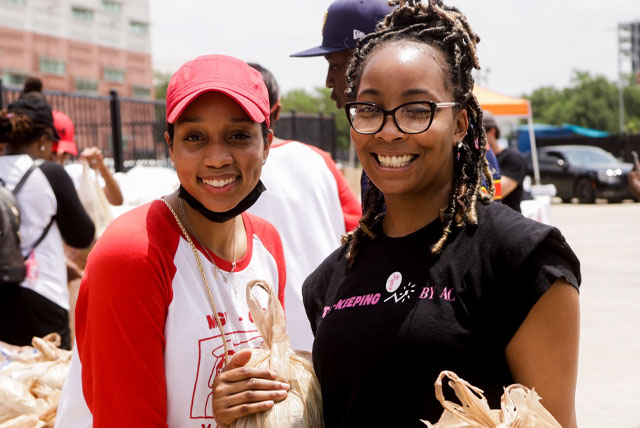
x,y
204,280
216,268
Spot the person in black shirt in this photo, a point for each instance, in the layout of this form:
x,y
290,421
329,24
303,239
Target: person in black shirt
x,y
50,215
512,164
444,279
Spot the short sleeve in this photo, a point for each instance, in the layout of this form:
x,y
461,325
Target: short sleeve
x,y
551,259
513,165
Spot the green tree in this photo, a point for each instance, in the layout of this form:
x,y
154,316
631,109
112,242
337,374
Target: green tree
x,y
589,101
160,83
318,101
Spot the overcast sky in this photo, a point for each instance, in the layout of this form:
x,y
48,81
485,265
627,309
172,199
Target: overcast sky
x,y
524,44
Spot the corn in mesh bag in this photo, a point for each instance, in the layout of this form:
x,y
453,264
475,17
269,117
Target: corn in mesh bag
x,y
303,406
520,407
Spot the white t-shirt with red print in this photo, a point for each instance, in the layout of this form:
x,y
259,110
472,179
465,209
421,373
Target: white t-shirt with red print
x,y
148,347
311,204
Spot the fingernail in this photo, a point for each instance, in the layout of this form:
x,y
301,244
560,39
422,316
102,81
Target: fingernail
x,y
284,386
272,373
282,393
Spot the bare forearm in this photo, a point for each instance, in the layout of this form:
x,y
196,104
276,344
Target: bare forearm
x,y
111,189
544,351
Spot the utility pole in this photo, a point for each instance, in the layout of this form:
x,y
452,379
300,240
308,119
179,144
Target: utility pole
x,y
624,53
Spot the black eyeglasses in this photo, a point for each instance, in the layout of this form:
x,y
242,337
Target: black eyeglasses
x,y
411,118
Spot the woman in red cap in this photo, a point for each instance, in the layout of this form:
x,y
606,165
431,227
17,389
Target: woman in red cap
x,y
161,311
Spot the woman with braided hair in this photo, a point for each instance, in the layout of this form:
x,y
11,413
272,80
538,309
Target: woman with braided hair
x,y
437,276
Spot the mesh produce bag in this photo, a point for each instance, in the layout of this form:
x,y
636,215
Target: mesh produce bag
x,y
520,407
31,379
303,406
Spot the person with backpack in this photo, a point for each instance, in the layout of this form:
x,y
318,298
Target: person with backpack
x,y
46,211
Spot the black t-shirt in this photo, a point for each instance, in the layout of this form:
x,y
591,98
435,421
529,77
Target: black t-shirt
x,y
385,328
76,227
513,165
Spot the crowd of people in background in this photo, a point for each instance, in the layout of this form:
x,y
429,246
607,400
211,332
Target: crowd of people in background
x,y
373,284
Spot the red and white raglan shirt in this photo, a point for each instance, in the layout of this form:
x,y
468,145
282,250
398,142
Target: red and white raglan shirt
x,y
148,347
311,204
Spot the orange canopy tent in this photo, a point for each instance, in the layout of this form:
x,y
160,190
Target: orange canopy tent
x,y
502,105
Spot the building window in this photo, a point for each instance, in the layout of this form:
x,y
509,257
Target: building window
x,y
141,92
111,6
14,2
113,75
52,66
86,85
82,14
13,80
138,27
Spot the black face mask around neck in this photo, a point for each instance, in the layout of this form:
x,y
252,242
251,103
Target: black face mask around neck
x,y
242,206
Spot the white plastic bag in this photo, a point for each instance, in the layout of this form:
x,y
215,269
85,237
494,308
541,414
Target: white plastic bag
x,y
303,406
93,199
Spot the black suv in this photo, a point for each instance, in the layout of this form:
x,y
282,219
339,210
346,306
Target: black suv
x,y
584,172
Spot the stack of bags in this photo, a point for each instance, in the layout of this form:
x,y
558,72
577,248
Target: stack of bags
x,y
31,379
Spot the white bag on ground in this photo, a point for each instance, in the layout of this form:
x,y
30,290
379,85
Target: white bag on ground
x,y
303,406
31,379
93,199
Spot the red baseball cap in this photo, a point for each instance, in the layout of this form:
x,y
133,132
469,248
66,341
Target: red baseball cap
x,y
66,131
219,73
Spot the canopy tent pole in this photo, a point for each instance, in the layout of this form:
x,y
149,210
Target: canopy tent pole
x,y
532,141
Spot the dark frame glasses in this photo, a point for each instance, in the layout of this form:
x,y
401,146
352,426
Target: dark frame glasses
x,y
352,109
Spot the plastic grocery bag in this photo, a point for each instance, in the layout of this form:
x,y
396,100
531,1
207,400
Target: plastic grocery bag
x,y
93,199
303,406
520,407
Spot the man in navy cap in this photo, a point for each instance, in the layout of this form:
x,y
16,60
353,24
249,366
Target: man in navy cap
x,y
345,22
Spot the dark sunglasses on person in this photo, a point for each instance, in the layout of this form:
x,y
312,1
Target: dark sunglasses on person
x,y
411,118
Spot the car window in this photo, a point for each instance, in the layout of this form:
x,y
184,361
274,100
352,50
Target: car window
x,y
550,158
589,157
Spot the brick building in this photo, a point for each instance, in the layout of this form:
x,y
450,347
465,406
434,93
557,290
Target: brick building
x,y
87,46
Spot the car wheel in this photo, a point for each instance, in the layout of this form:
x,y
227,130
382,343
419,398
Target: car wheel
x,y
584,192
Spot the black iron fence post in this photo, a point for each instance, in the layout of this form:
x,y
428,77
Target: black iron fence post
x,y
294,126
332,136
116,131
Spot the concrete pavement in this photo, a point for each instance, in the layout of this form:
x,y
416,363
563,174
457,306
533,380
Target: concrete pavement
x,y
606,239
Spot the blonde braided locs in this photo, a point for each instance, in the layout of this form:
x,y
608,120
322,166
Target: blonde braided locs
x,y
446,30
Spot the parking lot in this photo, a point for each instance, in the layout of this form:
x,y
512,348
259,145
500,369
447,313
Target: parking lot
x,y
606,238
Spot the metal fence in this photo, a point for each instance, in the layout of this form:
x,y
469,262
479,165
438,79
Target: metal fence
x,y
124,129
316,129
131,130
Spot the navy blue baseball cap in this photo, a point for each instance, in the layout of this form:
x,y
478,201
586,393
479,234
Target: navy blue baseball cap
x,y
345,22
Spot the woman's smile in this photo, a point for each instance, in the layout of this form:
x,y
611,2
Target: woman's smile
x,y
394,161
217,184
